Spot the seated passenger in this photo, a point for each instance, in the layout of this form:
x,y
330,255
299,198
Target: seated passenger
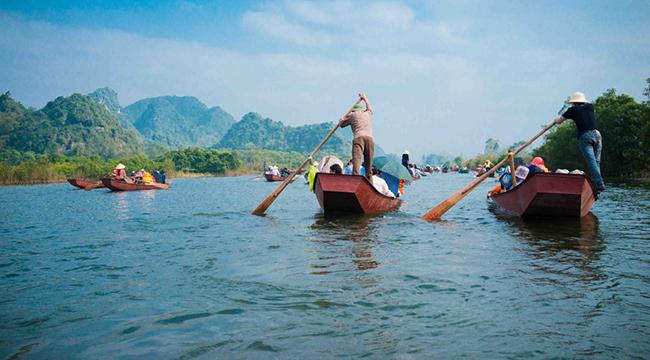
x,y
138,176
311,174
380,184
392,182
336,169
537,165
348,169
521,173
147,178
119,173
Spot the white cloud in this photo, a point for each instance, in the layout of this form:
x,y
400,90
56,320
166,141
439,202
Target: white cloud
x,y
434,87
278,26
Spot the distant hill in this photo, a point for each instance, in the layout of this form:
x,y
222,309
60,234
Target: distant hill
x,y
255,132
177,121
74,125
108,98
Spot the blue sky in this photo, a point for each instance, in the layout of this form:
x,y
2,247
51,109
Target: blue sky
x,y
443,76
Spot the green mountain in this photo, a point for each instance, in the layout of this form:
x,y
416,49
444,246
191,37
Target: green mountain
x,y
255,132
178,121
75,125
108,98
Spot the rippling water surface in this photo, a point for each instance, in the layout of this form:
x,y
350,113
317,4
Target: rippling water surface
x,y
189,273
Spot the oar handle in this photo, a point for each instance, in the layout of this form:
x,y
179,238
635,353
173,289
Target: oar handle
x,y
261,208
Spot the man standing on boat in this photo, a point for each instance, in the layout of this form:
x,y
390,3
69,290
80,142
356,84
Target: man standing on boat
x,y
589,138
360,118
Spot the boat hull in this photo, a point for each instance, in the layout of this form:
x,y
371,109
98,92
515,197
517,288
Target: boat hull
x,y
351,194
548,194
84,183
115,185
271,177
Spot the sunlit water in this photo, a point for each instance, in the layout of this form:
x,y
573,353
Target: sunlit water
x,y
189,273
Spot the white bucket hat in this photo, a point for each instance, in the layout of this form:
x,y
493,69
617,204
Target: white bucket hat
x,y
578,97
120,166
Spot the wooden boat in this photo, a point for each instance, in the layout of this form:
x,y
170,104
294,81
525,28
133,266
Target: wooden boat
x,y
83,183
116,185
548,194
271,177
351,194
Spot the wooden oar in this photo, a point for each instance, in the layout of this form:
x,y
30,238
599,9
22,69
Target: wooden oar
x,y
261,208
437,212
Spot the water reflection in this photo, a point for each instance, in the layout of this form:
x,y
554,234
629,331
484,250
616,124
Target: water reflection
x,y
120,205
354,231
577,241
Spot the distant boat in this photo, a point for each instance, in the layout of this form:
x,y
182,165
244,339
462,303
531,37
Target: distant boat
x,y
351,194
271,177
116,185
548,194
84,183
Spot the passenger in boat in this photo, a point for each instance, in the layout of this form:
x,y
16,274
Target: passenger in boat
x,y
284,172
521,174
156,176
349,169
537,165
163,177
589,138
360,119
119,173
405,159
380,184
311,174
138,176
392,181
336,169
487,165
147,178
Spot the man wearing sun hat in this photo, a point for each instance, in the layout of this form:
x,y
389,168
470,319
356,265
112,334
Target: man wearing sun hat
x,y
360,119
589,138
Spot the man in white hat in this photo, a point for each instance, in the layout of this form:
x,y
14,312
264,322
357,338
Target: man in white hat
x,y
589,138
360,119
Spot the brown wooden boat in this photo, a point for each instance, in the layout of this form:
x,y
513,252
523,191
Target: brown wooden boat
x,y
352,194
548,194
116,185
271,177
84,183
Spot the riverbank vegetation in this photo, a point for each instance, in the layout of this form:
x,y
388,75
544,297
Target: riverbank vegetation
x,y
625,127
31,168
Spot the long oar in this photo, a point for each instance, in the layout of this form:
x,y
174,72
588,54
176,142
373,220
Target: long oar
x,y
261,208
443,207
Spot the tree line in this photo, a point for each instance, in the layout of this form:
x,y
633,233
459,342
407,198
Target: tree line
x,y
31,168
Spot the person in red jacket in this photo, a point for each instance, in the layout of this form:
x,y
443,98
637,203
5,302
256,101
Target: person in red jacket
x,y
119,173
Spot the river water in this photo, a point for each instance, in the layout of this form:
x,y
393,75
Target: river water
x,y
189,273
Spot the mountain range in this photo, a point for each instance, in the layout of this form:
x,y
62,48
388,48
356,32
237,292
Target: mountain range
x,y
74,125
256,132
96,124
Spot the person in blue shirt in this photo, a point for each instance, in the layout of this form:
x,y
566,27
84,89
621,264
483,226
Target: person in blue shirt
x,y
350,167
